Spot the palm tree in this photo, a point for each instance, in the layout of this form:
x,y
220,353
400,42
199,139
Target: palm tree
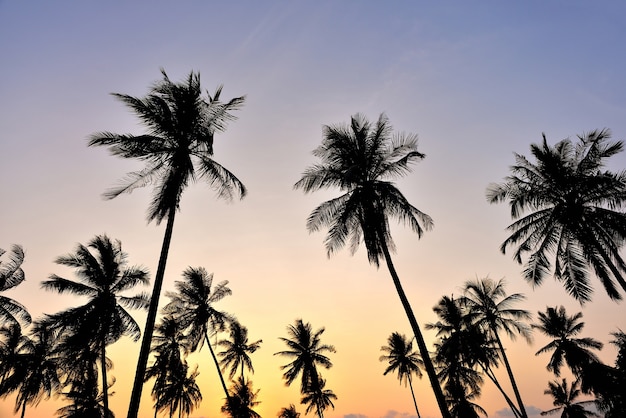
x,y
177,149
360,159
556,324
460,399
565,400
103,276
402,360
573,207
35,369
11,274
289,412
493,310
180,391
237,349
241,400
192,305
318,398
307,351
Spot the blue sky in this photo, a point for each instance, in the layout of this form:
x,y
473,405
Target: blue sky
x,y
476,81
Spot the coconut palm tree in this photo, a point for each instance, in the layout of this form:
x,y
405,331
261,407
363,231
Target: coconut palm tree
x,y
241,400
493,311
402,360
34,369
573,214
360,160
307,351
180,391
192,305
565,400
237,349
460,398
11,274
103,277
317,398
289,412
177,150
562,328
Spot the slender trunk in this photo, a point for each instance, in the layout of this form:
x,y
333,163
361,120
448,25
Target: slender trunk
x,y
518,397
419,338
23,409
142,363
508,400
414,401
103,366
219,371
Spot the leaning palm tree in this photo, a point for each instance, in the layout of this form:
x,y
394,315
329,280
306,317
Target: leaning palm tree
x,y
562,328
573,205
360,160
11,274
402,360
564,400
493,310
103,277
178,149
192,305
237,350
289,412
307,351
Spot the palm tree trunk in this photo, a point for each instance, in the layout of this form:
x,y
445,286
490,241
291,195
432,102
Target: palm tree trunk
x,y
23,409
518,397
419,338
414,401
103,366
508,400
219,371
142,363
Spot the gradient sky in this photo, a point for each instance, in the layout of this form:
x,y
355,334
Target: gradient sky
x,y
476,81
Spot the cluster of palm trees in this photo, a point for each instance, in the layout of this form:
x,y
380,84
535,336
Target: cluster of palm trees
x,y
574,229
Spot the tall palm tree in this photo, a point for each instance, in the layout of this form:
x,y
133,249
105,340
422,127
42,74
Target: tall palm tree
x,y
237,349
192,305
573,205
289,412
103,277
493,310
317,398
562,328
360,160
177,149
241,400
402,360
35,369
565,400
11,274
307,351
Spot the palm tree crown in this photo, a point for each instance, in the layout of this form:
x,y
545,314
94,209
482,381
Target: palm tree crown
x,y
573,207
237,349
564,400
11,274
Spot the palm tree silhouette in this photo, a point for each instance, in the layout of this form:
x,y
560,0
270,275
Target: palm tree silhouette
x,y
573,212
241,400
192,307
492,309
565,400
562,328
318,398
11,274
177,149
402,360
34,369
307,351
180,392
103,276
360,159
237,349
289,412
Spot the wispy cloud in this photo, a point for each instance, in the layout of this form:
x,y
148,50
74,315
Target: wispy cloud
x,y
396,414
532,412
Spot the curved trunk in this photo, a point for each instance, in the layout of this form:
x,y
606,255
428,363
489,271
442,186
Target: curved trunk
x,y
414,401
518,397
428,364
142,363
508,400
217,365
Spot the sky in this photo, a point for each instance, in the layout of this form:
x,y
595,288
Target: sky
x,y
476,81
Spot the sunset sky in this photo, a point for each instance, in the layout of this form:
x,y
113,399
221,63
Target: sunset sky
x,y
477,81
